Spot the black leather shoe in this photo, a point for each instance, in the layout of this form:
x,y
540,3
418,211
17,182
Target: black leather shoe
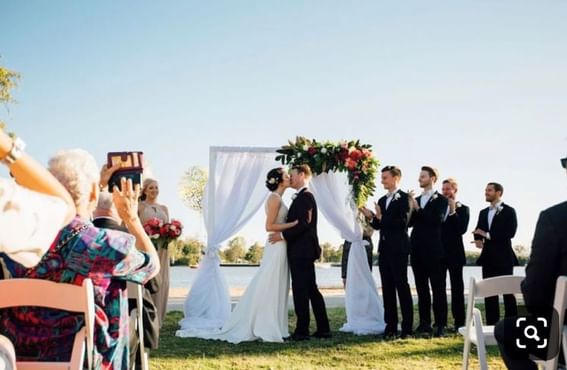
x,y
439,332
299,337
390,334
423,329
321,335
406,334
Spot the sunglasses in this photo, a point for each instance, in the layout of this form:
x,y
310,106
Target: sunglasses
x,y
564,162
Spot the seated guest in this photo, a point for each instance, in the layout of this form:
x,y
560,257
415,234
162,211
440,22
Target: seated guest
x,y
81,251
548,261
33,210
106,217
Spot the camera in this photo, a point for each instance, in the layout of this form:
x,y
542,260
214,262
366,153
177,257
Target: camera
x,y
131,167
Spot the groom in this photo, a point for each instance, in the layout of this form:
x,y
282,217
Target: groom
x,y
302,251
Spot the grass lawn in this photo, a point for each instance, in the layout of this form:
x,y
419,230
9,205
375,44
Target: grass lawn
x,y
343,351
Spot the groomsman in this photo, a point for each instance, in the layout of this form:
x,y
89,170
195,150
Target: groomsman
x,y
494,231
428,213
455,225
391,218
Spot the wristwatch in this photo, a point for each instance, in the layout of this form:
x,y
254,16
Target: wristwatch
x,y
15,152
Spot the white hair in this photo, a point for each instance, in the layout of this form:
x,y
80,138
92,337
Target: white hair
x,y
105,201
77,171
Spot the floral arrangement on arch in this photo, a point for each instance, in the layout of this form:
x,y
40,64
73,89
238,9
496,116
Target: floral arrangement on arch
x,y
162,233
345,156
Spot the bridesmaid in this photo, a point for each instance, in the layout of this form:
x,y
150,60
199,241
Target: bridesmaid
x,y
150,208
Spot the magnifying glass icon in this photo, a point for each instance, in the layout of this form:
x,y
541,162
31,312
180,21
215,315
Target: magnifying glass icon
x,y
533,335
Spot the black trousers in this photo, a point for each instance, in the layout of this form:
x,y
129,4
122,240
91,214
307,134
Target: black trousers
x,y
491,304
457,293
394,275
428,271
304,289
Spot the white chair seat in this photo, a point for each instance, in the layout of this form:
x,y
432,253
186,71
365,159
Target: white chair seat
x,y
487,332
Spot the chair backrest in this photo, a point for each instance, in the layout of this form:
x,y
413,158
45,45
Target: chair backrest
x,y
49,294
507,284
559,305
135,292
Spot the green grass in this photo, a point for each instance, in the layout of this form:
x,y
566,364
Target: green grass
x,y
343,351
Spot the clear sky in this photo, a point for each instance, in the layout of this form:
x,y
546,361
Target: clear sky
x,y
477,89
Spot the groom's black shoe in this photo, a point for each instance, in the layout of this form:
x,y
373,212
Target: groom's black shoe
x,y
299,337
321,335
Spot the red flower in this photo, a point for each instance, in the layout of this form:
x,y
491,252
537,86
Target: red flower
x,y
355,155
343,154
312,151
366,153
350,164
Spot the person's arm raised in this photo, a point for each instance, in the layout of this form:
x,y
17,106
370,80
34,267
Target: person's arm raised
x,y
30,174
126,202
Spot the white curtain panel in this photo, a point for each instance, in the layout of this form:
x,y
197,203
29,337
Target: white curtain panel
x,y
235,192
364,308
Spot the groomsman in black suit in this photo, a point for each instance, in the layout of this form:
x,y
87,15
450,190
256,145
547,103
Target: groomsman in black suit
x,y
302,251
494,231
428,213
391,218
455,225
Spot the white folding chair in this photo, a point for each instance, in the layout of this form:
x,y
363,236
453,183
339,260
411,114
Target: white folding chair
x,y
49,294
135,292
559,305
7,354
474,331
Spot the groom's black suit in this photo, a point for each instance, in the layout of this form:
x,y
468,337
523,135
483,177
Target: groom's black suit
x,y
427,260
394,248
302,251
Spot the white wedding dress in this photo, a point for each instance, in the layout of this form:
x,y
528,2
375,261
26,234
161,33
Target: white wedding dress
x,y
261,313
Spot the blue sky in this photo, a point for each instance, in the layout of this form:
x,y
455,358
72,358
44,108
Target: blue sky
x,y
477,89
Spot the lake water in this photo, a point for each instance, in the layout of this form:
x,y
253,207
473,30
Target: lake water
x,y
329,277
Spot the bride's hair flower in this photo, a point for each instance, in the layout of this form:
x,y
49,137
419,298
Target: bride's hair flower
x,y
271,180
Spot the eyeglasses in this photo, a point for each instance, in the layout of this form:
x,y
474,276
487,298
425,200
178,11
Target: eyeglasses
x,y
564,162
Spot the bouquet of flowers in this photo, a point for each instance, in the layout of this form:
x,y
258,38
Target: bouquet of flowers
x,y
162,233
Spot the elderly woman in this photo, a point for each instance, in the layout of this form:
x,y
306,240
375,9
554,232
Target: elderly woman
x,y
81,251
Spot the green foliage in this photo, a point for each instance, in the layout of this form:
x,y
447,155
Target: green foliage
x,y
192,187
8,81
235,251
330,253
186,252
346,156
254,254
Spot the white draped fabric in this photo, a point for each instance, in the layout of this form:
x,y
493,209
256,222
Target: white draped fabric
x,y
235,192
364,309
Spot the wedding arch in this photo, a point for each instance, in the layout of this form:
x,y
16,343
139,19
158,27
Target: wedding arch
x,y
344,179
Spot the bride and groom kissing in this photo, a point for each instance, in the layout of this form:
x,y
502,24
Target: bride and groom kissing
x,y
292,247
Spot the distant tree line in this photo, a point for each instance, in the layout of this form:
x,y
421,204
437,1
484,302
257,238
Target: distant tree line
x,y
188,251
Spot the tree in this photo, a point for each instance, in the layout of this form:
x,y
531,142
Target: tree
x,y
8,81
192,187
235,250
254,254
186,252
330,253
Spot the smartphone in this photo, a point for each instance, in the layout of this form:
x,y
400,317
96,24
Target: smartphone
x,y
132,167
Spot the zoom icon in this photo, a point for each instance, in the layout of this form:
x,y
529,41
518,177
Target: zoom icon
x,y
532,332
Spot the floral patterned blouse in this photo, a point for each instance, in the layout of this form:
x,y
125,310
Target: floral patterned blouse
x,y
80,251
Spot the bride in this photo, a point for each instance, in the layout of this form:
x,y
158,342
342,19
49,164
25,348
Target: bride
x,y
261,313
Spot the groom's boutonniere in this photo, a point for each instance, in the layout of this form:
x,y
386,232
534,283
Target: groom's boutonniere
x,y
396,196
499,209
294,196
458,204
434,196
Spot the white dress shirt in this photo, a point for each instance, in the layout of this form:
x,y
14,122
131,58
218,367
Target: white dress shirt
x,y
389,197
492,212
425,196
